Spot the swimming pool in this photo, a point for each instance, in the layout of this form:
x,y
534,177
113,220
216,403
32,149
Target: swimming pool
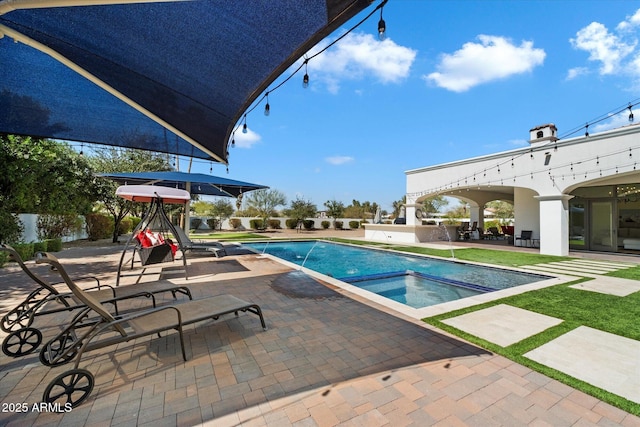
x,y
412,280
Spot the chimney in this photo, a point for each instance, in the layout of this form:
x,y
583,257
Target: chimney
x,y
543,133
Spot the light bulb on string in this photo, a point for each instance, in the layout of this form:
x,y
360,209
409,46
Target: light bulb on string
x,y
630,113
244,126
305,78
82,149
267,107
586,133
382,27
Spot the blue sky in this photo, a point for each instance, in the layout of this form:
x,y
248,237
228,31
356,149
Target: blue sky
x,y
452,80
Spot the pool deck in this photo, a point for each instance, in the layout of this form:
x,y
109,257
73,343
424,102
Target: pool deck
x,y
328,358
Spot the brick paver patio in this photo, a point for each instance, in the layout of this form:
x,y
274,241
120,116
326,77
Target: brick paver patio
x,y
325,360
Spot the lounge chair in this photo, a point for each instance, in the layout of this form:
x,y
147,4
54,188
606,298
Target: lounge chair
x,y
214,248
46,299
495,233
74,386
526,237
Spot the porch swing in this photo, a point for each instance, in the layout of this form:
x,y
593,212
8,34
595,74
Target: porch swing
x,y
150,238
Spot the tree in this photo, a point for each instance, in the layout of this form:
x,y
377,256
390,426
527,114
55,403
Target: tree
x,y
502,210
115,159
43,177
301,209
397,205
265,201
335,209
459,211
202,208
434,204
360,210
222,209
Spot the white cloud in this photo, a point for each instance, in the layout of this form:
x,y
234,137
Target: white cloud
x,y
604,47
576,72
492,59
246,140
359,55
339,160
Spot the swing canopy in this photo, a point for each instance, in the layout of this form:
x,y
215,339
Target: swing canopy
x,y
147,193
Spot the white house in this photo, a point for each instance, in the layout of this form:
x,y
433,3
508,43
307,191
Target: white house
x,y
579,193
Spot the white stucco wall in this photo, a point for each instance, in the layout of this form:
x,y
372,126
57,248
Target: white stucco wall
x,y
549,170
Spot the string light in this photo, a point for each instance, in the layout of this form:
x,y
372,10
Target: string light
x,y
267,107
586,132
630,113
244,126
82,148
305,78
382,26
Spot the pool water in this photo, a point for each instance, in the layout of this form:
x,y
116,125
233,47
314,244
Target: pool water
x,y
412,280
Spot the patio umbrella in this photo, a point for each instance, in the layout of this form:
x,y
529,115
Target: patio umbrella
x,y
194,183
377,219
165,76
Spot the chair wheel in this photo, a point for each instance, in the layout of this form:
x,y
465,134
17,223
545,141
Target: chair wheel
x,y
52,353
71,387
21,342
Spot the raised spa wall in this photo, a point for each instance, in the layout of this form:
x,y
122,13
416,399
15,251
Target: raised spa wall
x,y
396,233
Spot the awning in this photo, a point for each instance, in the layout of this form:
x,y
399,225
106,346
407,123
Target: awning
x,y
195,183
166,76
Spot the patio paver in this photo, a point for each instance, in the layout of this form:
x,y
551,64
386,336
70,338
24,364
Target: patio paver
x,y
326,359
502,324
605,360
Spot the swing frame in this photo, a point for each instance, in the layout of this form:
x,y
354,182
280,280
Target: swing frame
x,y
157,196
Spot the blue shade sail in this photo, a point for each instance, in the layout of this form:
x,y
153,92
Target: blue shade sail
x,y
166,76
195,183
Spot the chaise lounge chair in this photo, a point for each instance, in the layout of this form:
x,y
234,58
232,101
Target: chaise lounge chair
x,y
74,386
46,299
209,247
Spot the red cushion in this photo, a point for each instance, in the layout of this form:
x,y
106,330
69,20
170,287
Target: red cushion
x,y
144,240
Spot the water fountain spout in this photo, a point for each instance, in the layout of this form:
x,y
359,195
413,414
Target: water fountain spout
x,y
308,253
446,233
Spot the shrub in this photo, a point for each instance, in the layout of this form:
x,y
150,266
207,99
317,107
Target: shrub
x,y
256,224
338,225
98,226
134,222
291,223
125,226
40,247
354,224
212,223
275,224
52,226
235,223
308,224
25,250
11,227
54,245
325,224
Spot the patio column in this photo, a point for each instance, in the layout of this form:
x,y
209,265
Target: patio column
x,y
410,212
554,224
